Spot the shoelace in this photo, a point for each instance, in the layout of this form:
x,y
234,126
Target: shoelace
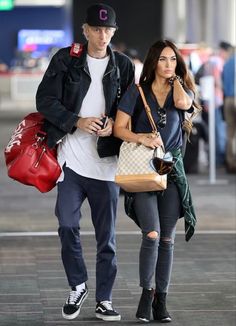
x,y
107,305
73,296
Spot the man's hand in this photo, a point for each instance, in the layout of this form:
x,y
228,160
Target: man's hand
x,y
107,131
93,125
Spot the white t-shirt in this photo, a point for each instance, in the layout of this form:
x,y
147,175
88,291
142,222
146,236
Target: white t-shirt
x,y
78,150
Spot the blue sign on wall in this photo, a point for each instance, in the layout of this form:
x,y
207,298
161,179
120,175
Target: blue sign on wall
x,y
39,42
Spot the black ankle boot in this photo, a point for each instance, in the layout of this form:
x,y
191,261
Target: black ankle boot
x,y
159,308
145,305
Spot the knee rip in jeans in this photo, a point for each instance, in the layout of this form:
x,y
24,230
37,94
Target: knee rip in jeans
x,y
166,242
153,235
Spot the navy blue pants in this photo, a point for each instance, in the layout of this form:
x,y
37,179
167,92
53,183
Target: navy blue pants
x,y
102,197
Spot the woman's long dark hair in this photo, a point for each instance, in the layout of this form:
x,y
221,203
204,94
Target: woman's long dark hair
x,y
150,63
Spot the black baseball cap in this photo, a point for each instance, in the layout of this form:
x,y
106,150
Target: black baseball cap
x,y
101,14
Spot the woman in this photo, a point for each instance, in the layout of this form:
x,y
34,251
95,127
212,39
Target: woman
x,y
169,91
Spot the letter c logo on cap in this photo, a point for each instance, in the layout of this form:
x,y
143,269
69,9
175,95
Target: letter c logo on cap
x,y
103,14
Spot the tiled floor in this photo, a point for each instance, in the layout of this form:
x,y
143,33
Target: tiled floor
x,y
33,286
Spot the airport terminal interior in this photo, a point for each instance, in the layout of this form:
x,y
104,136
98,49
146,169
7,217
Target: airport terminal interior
x,y
33,285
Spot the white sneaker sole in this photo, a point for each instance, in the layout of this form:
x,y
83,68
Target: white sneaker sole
x,y
108,318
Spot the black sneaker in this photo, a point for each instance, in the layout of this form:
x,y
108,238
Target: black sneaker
x,y
71,308
105,311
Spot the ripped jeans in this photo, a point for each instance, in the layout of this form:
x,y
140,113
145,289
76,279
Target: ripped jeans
x,y
157,213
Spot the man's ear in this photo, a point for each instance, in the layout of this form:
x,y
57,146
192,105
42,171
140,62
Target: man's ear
x,y
85,31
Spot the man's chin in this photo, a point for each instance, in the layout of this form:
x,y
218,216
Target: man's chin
x,y
102,47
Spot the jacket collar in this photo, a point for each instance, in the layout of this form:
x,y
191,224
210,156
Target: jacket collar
x,y
82,60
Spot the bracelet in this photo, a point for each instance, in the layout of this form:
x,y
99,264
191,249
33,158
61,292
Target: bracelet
x,y
176,77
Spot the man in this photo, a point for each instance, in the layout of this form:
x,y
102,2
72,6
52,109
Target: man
x,y
78,90
213,67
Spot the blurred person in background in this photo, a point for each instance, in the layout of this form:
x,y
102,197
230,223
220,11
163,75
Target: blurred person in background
x,y
169,91
228,77
198,57
78,98
213,67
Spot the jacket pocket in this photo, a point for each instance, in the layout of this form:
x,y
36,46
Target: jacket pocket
x,y
71,94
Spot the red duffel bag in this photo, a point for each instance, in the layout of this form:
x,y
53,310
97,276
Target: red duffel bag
x,y
28,158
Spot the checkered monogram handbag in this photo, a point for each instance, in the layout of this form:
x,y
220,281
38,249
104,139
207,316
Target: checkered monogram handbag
x,y
134,171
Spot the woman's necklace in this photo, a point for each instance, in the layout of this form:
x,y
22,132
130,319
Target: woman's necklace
x,y
160,94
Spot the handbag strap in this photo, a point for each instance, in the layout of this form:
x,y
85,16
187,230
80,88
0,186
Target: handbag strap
x,y
148,110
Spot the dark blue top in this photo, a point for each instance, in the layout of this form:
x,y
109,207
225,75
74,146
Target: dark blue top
x,y
132,104
228,76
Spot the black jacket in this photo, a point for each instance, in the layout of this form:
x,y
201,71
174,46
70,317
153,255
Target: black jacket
x,y
65,83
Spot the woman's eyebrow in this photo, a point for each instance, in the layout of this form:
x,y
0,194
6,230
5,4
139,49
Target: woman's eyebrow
x,y
163,56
